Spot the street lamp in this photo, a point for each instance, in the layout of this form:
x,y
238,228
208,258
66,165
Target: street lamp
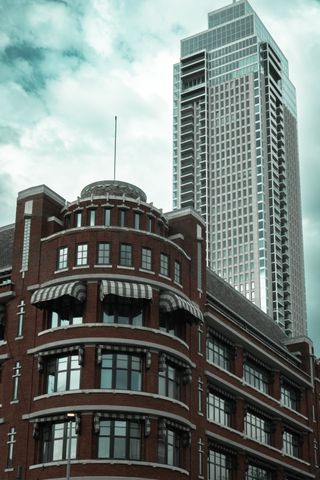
x,y
70,417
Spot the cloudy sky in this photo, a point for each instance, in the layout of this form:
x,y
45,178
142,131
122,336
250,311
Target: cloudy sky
x,y
67,67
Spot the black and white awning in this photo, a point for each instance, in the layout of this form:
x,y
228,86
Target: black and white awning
x,y
125,289
75,290
170,301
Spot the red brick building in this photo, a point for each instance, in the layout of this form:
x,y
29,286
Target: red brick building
x,y
113,333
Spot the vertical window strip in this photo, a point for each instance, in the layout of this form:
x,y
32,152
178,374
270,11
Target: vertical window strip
x,y
10,447
20,315
26,245
16,380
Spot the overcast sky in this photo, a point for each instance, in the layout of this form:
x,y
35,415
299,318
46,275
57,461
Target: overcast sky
x,y
67,67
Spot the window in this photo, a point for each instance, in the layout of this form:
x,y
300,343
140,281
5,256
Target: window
x,y
62,260
82,254
171,323
92,217
72,315
257,473
169,448
124,311
164,264
257,376
150,224
21,314
137,220
103,253
291,442
122,217
177,272
170,381
289,396
218,352
146,258
78,219
219,465
54,441
125,259
16,374
107,217
63,373
258,428
10,447
119,439
219,408
121,371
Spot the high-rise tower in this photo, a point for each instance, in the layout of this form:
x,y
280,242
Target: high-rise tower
x,y
236,159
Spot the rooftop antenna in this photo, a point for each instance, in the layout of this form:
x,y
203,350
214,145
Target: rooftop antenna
x,y
115,148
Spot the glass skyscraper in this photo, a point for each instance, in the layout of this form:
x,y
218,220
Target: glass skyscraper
x,y
235,159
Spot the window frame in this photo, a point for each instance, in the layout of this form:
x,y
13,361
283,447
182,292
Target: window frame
x,y
82,254
129,438
219,408
146,258
107,217
125,255
218,352
256,376
92,217
62,258
290,397
170,448
137,221
177,272
258,428
123,217
219,465
164,265
291,443
103,255
70,373
118,371
78,219
170,381
55,435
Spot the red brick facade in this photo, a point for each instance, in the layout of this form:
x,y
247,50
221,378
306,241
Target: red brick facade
x,y
184,379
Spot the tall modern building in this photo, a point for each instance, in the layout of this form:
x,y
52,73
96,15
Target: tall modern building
x,y
236,159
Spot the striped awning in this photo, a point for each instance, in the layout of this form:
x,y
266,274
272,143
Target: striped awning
x,y
75,290
125,289
170,301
